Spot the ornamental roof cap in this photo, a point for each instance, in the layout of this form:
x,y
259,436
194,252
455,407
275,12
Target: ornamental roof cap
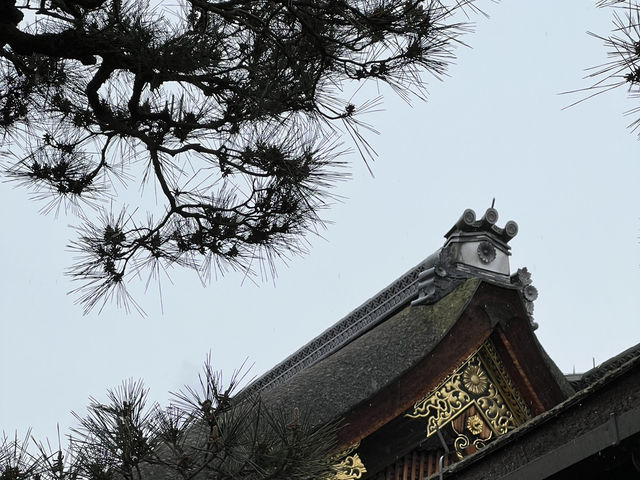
x,y
468,226
479,247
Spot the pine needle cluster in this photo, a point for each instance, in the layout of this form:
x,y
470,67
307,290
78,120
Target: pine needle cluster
x,y
232,111
204,434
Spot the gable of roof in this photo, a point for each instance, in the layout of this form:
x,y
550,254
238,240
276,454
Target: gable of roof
x,y
398,348
426,283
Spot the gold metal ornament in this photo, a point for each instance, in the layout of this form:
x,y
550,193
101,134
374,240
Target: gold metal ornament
x,y
475,424
503,382
348,465
350,468
474,379
481,394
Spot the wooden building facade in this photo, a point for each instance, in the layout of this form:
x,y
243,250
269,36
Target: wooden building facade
x,y
441,374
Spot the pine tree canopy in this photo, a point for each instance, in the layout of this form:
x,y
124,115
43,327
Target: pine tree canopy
x,y
205,433
230,111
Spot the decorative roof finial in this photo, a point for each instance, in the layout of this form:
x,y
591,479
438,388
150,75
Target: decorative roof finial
x,y
475,248
480,246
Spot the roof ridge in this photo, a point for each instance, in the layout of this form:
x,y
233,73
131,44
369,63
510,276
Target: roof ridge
x,y
467,253
591,376
359,320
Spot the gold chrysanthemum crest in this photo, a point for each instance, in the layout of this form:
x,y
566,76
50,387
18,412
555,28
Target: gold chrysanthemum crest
x,y
475,379
475,424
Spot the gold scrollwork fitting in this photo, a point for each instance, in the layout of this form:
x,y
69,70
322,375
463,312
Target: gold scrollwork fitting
x,y
478,399
350,468
507,389
348,465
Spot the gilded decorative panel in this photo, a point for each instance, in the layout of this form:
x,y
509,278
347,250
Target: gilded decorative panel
x,y
478,401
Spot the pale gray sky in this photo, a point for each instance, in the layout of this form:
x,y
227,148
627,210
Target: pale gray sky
x,y
493,129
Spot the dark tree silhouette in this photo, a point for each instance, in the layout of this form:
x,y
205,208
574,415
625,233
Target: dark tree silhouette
x,y
204,434
230,109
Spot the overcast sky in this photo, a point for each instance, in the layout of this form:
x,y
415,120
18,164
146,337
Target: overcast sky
x,y
495,128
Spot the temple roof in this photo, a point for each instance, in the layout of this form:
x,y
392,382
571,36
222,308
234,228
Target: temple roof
x,y
595,374
373,311
425,284
374,359
449,349
458,310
